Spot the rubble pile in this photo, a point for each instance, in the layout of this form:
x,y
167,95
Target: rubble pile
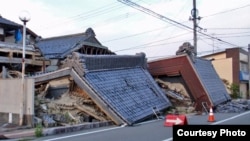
x,y
182,103
178,96
234,106
72,107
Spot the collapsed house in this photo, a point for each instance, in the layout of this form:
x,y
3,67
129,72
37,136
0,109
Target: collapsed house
x,y
73,79
124,91
198,78
119,85
77,79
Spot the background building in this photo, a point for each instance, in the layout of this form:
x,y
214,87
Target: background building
x,y
232,66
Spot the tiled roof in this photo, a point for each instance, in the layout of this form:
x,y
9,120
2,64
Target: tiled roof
x,y
130,92
7,22
56,47
124,84
109,62
211,81
200,78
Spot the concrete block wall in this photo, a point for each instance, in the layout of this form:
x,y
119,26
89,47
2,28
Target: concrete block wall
x,y
12,97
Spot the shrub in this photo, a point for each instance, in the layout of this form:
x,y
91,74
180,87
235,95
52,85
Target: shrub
x,y
235,90
39,130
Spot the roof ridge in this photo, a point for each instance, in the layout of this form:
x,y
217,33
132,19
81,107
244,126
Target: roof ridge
x,y
63,36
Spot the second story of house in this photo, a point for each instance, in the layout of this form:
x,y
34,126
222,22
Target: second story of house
x,y
11,32
37,49
11,46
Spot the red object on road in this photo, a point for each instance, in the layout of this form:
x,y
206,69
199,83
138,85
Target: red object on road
x,y
175,119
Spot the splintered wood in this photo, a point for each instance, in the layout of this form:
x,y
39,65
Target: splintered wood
x,y
178,96
72,107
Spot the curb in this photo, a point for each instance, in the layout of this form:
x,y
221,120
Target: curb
x,y
73,128
24,133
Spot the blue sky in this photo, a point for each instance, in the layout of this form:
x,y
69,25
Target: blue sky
x,y
126,30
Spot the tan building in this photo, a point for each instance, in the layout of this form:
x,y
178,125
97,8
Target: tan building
x,y
232,66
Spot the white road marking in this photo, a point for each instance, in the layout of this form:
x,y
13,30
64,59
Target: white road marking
x,y
242,114
218,122
169,139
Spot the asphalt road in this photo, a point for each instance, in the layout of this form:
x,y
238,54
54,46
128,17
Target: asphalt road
x,y
148,131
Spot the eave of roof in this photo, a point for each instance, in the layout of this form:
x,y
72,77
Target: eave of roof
x,y
9,23
181,65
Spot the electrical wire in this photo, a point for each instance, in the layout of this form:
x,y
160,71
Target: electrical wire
x,y
226,11
170,21
149,44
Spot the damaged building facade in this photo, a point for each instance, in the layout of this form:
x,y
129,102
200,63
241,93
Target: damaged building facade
x,y
74,79
117,87
190,77
11,50
77,80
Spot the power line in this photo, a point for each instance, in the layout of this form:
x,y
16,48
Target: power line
x,y
187,21
149,44
137,34
234,36
228,28
170,21
84,16
231,36
233,33
227,11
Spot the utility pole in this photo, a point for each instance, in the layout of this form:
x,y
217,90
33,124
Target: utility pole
x,y
194,13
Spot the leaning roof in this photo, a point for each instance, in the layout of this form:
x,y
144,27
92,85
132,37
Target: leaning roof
x,y
200,77
211,81
123,82
119,84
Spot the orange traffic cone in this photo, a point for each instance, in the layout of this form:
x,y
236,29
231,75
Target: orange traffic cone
x,y
211,117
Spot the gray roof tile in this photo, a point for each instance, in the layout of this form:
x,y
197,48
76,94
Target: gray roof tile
x,y
7,22
124,84
211,81
130,92
55,47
